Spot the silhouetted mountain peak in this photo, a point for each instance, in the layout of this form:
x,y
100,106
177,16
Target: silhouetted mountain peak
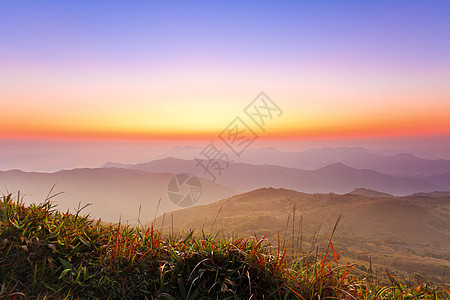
x,y
336,167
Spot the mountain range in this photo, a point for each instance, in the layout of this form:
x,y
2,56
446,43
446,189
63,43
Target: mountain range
x,y
400,164
336,178
123,190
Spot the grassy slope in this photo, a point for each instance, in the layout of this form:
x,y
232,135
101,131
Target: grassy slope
x,y
406,235
46,253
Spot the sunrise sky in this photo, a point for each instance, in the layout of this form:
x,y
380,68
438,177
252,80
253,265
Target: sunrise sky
x,y
184,70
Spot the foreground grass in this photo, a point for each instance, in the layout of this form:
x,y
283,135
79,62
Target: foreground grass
x,y
48,254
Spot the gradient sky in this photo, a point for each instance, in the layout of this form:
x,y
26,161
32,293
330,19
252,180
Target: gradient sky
x,y
168,70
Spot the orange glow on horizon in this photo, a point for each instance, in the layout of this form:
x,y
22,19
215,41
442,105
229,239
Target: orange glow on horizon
x,y
204,121
338,130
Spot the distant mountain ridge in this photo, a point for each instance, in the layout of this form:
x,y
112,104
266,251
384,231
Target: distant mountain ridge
x,y
336,178
436,194
402,164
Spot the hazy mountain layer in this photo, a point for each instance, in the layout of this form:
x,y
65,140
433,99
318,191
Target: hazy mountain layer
x,y
114,193
336,178
402,164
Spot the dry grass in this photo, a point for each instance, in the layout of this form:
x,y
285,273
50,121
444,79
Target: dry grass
x,y
48,254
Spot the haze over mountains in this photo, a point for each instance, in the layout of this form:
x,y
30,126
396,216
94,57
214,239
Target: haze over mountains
x,y
401,164
336,177
117,190
394,208
114,193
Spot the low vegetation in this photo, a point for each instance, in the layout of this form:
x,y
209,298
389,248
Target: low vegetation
x,y
406,236
45,253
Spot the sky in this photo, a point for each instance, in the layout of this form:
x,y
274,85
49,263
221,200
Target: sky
x,y
147,70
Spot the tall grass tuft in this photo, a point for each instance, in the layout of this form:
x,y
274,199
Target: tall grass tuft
x,y
48,254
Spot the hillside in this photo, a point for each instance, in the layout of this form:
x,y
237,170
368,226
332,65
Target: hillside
x,y
407,234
